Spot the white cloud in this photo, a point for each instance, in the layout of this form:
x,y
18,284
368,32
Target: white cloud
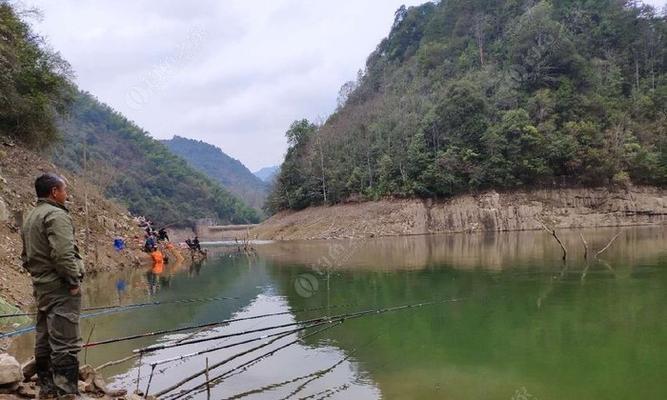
x,y
255,67
233,73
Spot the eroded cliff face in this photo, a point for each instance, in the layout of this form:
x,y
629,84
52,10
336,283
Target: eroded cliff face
x,y
489,211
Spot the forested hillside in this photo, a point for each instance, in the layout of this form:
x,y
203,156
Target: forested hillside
x,y
35,83
465,95
42,109
139,170
221,168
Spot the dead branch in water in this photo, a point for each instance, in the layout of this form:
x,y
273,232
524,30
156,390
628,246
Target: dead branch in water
x,y
245,246
607,246
553,232
585,246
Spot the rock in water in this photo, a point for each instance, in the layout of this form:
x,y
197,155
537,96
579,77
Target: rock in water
x,y
10,370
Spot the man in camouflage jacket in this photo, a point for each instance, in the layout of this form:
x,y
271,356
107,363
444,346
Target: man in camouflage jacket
x,y
55,265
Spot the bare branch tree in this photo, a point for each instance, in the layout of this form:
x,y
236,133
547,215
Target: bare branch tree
x,y
553,232
607,246
480,25
585,246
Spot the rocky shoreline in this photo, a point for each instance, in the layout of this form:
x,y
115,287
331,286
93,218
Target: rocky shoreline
x,y
19,382
490,211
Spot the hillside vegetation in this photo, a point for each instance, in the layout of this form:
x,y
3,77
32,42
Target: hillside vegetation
x,y
43,110
467,95
35,83
221,168
140,171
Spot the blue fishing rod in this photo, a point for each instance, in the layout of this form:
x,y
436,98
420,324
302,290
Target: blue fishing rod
x,y
106,310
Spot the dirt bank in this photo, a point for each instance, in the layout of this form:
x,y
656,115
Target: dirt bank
x,y
489,211
106,221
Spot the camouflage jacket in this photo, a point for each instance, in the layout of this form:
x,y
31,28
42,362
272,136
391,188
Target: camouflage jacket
x,y
49,251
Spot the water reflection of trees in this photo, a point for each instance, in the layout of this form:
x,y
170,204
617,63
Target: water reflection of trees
x,y
580,339
486,250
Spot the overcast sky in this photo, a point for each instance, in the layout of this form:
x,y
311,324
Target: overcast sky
x,y
233,73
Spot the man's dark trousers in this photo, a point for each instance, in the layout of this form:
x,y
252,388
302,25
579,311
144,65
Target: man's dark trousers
x,y
58,339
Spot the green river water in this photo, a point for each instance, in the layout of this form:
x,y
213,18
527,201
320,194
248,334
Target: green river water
x,y
528,326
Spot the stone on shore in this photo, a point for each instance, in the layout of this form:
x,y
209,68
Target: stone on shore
x,y
17,382
10,370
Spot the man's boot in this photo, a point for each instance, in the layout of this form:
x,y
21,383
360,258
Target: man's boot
x,y
66,379
47,389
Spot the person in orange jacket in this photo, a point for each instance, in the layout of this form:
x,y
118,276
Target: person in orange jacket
x,y
158,261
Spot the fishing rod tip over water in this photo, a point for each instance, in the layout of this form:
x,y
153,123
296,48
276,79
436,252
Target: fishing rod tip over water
x,y
340,318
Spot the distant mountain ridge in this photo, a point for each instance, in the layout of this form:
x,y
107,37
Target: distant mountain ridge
x,y
42,108
267,174
228,171
139,171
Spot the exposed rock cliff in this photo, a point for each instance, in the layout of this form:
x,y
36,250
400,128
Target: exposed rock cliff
x,y
489,211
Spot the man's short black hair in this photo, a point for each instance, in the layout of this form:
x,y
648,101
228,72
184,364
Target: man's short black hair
x,y
46,182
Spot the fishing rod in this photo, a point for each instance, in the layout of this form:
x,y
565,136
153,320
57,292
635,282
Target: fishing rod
x,y
131,306
331,321
273,386
223,362
286,325
245,366
228,346
212,349
105,310
222,376
313,376
325,394
207,325
181,358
